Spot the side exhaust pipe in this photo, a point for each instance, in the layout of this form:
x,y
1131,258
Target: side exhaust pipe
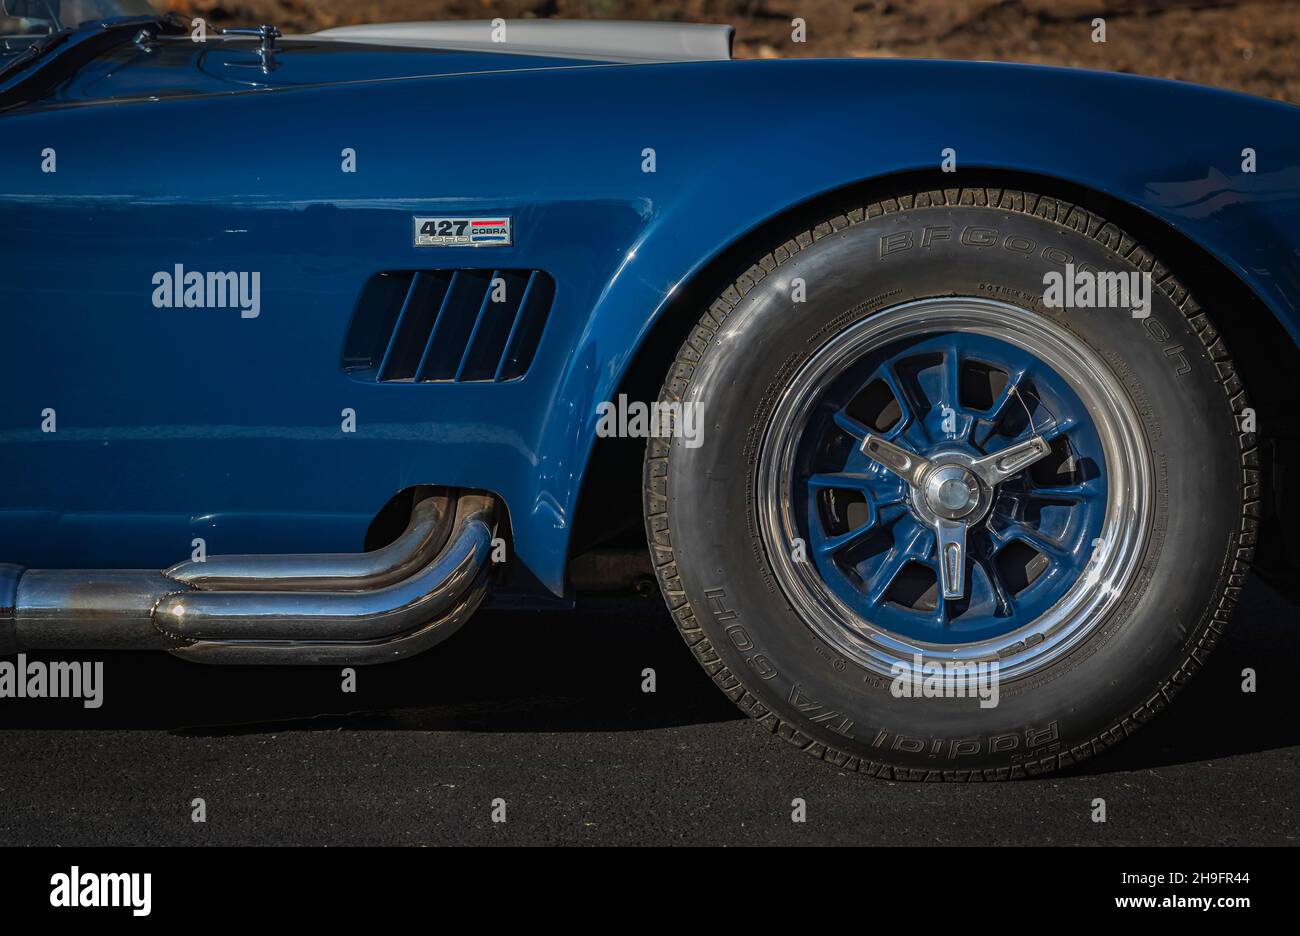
x,y
356,609
425,534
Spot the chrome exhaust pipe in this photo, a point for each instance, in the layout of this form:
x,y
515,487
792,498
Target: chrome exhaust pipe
x,y
85,609
425,534
364,608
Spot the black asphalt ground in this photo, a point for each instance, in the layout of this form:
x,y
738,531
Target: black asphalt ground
x,y
545,711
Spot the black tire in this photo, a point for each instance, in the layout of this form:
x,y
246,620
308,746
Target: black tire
x,y
718,581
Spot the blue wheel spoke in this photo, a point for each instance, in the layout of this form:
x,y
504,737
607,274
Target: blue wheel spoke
x,y
1048,432
881,516
879,494
992,417
964,421
1014,381
951,391
911,413
915,546
1073,493
851,425
834,544
1006,604
883,490
1027,534
1059,427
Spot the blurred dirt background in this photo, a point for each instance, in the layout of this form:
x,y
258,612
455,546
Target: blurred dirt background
x,y
1246,46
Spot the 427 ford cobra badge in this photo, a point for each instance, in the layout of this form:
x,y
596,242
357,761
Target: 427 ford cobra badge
x,y
492,231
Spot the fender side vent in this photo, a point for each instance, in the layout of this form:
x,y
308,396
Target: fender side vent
x,y
427,326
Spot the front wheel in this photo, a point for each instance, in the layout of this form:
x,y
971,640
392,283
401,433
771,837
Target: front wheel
x,y
943,522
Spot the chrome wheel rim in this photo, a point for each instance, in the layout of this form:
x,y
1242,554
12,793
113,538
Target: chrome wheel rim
x,y
1103,535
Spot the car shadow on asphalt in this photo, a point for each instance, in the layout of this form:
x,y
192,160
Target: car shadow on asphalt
x,y
1213,718
580,670
558,671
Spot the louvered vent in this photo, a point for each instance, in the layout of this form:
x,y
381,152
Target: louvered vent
x,y
421,326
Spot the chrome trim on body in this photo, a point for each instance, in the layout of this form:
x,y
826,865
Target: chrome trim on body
x,y
606,41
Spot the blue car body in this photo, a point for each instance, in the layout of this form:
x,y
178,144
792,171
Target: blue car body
x,y
175,423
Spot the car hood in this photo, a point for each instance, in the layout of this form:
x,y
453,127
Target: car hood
x,y
182,68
